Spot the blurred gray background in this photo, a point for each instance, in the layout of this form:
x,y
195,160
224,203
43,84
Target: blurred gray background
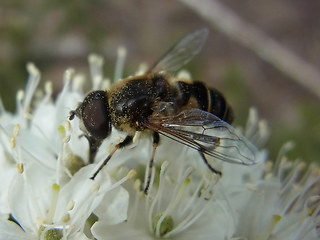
x,y
56,35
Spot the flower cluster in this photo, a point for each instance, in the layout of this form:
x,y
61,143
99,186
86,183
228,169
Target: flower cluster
x,y
46,191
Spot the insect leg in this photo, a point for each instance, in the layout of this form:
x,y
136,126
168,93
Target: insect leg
x,y
207,163
122,144
156,139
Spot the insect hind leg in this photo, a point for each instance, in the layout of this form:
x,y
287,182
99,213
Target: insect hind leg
x,y
156,139
207,163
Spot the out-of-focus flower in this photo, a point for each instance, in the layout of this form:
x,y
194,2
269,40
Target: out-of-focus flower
x,y
283,204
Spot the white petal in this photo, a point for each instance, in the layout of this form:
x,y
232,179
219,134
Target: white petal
x,y
43,120
114,206
11,231
120,231
6,179
80,190
30,194
40,149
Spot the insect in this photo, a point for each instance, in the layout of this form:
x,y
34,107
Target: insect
x,y
187,112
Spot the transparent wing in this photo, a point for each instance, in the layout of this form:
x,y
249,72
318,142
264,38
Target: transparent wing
x,y
207,133
181,53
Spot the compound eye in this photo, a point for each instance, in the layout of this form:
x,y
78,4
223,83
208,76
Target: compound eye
x,y
96,114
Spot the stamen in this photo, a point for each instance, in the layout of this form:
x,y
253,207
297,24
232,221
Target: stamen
x,y
180,189
19,99
53,203
188,220
165,226
282,153
291,178
2,110
68,130
95,64
95,188
67,125
194,208
251,125
256,130
268,232
13,142
142,68
183,74
78,82
160,191
176,196
137,185
66,139
70,205
19,168
106,84
268,167
33,81
48,88
66,218
20,95
121,56
193,198
16,130
67,76
62,132
264,133
132,174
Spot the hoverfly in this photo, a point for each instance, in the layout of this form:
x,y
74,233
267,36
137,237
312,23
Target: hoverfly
x,y
187,112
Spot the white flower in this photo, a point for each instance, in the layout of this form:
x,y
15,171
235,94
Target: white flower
x,y
283,204
45,184
46,193
179,205
43,208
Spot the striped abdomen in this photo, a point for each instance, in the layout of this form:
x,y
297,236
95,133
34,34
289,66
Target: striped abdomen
x,y
207,99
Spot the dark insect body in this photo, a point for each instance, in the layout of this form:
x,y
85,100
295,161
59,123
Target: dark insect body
x,y
187,112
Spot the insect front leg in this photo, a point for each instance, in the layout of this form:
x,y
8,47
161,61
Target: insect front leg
x,y
125,142
156,139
